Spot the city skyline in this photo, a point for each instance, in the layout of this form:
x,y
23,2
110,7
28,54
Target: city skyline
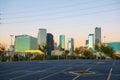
x,y
74,19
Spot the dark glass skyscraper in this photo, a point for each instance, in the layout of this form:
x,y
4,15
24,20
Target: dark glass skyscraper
x,y
97,35
50,42
62,42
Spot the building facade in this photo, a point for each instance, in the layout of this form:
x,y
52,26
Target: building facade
x,y
62,42
50,43
91,41
42,37
25,42
71,45
115,46
97,35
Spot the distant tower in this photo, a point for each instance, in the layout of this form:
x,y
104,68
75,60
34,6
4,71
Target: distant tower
x,y
97,35
91,41
50,42
71,45
62,42
42,37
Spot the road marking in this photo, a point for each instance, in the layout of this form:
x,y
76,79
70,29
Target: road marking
x,y
55,73
6,72
88,69
80,75
30,73
23,70
11,69
76,77
110,72
19,71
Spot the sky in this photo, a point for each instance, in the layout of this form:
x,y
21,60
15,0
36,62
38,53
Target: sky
x,y
73,18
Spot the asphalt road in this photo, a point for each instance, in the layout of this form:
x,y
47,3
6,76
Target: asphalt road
x,y
60,70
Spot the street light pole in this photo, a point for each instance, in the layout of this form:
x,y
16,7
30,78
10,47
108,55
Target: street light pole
x,y
11,38
11,48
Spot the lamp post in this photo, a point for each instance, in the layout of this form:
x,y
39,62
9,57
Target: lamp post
x,y
11,48
11,38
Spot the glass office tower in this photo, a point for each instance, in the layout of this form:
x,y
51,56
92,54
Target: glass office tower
x,y
25,42
97,35
42,37
71,45
62,42
50,42
91,41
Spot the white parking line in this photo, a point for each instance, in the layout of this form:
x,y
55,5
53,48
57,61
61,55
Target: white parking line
x,y
30,73
7,71
23,70
80,75
17,71
110,72
11,69
55,73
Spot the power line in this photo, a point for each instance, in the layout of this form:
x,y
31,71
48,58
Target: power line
x,y
68,11
70,16
58,7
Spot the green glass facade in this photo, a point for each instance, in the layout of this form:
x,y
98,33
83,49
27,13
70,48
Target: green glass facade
x,y
62,42
25,42
115,45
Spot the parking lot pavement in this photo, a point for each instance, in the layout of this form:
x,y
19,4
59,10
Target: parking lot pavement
x,y
60,70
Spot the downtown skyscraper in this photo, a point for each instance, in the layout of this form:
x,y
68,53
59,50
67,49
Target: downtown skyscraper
x,y
42,37
97,35
71,45
50,43
62,42
91,41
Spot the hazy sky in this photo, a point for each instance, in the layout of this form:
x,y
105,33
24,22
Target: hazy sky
x,y
73,18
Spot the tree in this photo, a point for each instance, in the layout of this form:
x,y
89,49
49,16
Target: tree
x,y
44,49
98,49
88,53
107,50
77,52
2,52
